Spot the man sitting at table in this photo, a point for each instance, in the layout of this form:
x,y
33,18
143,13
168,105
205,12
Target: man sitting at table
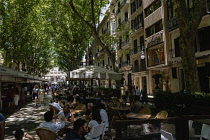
x,y
136,106
58,110
80,130
48,124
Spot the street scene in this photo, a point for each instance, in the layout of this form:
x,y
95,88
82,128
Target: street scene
x,y
104,70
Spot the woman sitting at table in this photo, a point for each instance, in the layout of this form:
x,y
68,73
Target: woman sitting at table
x,y
95,121
89,109
77,101
67,113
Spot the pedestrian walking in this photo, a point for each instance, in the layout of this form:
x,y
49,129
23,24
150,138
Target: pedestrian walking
x,y
35,91
144,94
41,95
138,92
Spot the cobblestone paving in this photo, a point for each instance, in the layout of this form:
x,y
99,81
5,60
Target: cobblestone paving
x,y
27,118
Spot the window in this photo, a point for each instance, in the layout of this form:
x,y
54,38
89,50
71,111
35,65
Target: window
x,y
135,46
177,48
208,6
142,42
204,40
113,27
156,56
174,73
158,26
154,6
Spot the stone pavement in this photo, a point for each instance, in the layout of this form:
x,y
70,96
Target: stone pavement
x,y
27,118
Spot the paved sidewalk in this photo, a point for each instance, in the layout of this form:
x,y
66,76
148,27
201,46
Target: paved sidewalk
x,y
28,118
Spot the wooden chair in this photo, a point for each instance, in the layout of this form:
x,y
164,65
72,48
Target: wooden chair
x,y
81,107
161,114
45,134
2,130
145,110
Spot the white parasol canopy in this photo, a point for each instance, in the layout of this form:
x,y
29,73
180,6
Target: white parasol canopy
x,y
95,72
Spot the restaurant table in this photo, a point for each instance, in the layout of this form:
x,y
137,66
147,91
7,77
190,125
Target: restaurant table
x,y
138,116
121,108
76,111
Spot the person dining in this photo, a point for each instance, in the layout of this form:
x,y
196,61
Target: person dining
x,y
67,113
80,130
77,101
104,117
95,121
58,110
49,124
136,106
89,109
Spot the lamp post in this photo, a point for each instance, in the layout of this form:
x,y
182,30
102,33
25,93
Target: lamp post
x,y
142,52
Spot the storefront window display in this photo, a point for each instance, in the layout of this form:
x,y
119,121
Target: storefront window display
x,y
156,55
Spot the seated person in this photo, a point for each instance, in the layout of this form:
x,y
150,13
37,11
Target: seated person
x,y
155,128
95,121
67,113
136,106
48,124
123,101
80,130
69,98
77,101
104,117
89,109
57,111
2,125
19,134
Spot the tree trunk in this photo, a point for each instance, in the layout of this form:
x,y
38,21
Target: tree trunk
x,y
188,21
189,63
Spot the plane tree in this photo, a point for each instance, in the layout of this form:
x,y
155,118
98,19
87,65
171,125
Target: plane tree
x,y
189,14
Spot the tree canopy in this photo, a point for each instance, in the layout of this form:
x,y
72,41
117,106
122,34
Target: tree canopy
x,y
36,35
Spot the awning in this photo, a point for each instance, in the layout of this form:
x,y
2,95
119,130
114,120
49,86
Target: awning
x,y
94,72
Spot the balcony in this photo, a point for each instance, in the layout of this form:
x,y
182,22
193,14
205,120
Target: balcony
x,y
118,11
105,31
139,68
136,27
173,24
125,42
126,63
124,22
124,5
135,50
136,68
119,47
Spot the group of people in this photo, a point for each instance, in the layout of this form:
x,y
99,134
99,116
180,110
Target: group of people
x,y
38,93
57,118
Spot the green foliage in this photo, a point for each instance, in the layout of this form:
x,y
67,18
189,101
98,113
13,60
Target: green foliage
x,y
181,103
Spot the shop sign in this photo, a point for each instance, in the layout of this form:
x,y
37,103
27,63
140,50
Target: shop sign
x,y
155,39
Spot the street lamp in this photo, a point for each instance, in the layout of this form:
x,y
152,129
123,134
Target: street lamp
x,y
142,52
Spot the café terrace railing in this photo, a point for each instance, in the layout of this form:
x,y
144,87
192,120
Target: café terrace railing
x,y
180,122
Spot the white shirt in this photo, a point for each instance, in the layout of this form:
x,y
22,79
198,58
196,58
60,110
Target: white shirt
x,y
91,124
60,115
52,126
104,118
163,138
138,92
